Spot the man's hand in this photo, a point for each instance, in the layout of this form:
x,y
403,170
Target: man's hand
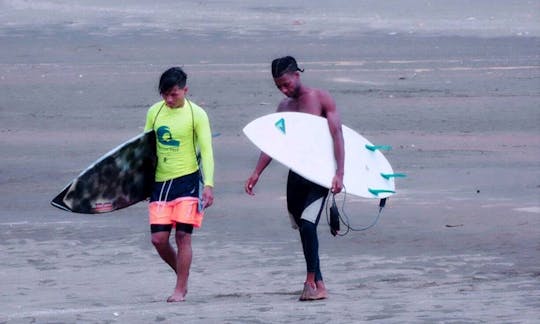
x,y
337,183
250,184
207,196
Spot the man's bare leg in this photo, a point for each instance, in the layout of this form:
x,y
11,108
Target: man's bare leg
x,y
160,240
185,254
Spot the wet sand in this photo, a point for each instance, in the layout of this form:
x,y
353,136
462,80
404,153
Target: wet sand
x,y
454,91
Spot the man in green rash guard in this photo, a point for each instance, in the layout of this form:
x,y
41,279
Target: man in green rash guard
x,y
181,128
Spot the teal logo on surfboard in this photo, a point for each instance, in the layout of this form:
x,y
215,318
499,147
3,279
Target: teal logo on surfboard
x,y
164,136
280,124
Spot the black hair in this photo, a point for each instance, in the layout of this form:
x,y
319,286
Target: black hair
x,y
284,65
174,76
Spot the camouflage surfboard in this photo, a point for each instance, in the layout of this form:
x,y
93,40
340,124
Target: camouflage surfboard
x,y
119,179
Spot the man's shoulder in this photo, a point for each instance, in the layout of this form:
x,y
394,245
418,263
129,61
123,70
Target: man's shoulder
x,y
194,105
198,111
155,106
196,108
321,93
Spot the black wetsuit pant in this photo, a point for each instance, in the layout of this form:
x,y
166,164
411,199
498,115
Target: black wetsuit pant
x,y
305,202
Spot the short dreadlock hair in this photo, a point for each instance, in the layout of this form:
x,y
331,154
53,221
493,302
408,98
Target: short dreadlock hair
x,y
284,65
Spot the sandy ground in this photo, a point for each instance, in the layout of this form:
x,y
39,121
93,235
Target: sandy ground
x,y
453,88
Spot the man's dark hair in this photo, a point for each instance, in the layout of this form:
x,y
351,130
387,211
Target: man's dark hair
x,y
284,65
174,76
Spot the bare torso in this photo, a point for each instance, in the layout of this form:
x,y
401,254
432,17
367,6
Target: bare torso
x,y
309,101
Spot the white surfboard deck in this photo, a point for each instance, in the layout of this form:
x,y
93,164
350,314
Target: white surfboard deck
x,y
302,142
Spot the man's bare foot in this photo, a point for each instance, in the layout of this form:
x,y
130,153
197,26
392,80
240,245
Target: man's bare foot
x,y
177,297
311,292
307,288
321,289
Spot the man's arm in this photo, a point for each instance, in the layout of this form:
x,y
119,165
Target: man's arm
x,y
262,163
204,141
334,125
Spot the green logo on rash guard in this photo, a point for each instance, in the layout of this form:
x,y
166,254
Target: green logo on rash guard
x,y
164,136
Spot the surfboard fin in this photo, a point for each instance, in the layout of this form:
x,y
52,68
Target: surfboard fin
x,y
387,176
374,148
376,192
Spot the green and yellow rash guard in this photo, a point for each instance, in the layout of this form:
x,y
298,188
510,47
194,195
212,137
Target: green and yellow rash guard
x,y
175,129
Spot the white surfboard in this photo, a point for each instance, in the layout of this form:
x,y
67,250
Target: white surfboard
x,y
302,142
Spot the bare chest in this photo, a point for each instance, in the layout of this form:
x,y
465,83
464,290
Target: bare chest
x,y
308,104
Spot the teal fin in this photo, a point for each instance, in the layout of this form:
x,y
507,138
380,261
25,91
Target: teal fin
x,y
393,175
280,124
376,192
373,148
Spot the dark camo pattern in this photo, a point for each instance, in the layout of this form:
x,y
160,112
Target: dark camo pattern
x,y
116,181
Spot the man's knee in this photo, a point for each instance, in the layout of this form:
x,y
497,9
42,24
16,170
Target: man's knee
x,y
160,234
307,227
160,241
182,238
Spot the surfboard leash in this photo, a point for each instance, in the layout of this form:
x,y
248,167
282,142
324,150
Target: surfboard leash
x,y
335,218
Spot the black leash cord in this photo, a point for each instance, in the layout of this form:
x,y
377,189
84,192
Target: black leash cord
x,y
344,218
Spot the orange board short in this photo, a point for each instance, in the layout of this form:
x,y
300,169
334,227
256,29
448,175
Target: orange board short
x,y
182,210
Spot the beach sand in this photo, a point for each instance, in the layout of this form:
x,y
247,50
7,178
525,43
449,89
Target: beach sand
x,y
454,89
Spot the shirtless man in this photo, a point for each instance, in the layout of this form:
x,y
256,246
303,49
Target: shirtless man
x,y
305,199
